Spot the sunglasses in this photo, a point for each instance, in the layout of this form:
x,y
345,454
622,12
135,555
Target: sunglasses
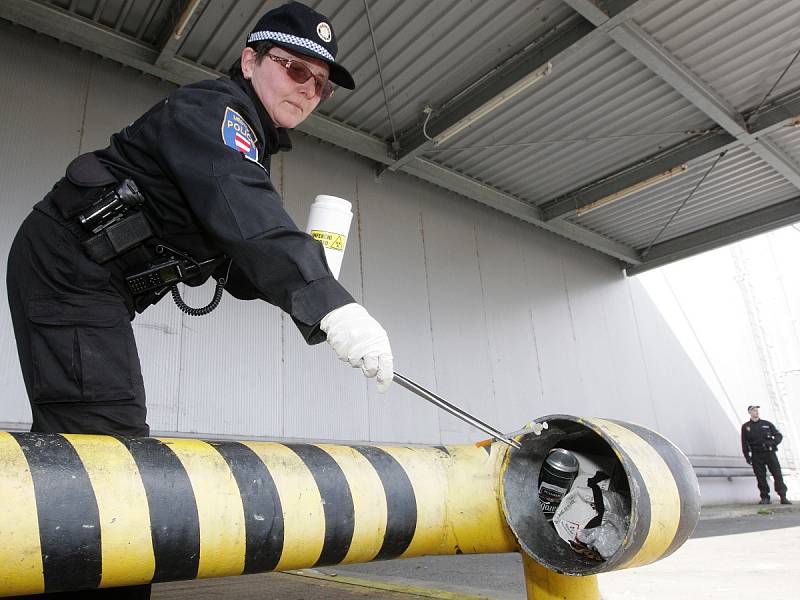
x,y
300,73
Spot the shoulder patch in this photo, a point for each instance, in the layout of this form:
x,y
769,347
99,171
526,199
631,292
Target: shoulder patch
x,y
237,134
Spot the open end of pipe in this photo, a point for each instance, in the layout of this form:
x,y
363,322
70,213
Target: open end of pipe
x,y
520,490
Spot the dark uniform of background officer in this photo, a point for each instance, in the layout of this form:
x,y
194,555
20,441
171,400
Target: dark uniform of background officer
x,y
201,161
760,441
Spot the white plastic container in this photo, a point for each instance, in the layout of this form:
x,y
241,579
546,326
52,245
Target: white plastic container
x,y
329,223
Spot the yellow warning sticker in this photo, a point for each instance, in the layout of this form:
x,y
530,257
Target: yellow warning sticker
x,y
334,241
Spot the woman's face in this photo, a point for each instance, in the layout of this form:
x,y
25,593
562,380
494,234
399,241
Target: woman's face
x,y
287,102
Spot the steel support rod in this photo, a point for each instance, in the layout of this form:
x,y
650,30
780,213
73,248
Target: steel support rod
x,y
543,584
453,409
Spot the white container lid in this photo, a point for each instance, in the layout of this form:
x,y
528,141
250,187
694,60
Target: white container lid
x,y
333,202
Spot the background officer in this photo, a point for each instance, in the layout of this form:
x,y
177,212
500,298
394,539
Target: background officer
x,y
182,194
760,441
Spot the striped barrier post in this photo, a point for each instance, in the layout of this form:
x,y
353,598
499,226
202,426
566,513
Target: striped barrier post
x,y
83,511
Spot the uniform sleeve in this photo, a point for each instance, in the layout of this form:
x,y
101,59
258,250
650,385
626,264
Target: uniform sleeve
x,y
745,445
236,204
777,434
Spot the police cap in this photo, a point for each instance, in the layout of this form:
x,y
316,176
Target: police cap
x,y
298,28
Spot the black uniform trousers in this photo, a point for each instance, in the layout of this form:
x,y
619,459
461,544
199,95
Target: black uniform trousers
x,y
763,461
75,344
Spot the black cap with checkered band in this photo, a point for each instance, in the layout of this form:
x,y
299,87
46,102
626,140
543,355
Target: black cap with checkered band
x,y
298,28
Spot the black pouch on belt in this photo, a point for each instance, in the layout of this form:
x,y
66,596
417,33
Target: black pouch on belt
x,y
86,178
89,183
118,238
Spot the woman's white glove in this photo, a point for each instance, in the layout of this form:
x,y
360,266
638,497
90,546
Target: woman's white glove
x,y
359,339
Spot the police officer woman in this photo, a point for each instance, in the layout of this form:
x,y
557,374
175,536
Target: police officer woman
x,y
181,194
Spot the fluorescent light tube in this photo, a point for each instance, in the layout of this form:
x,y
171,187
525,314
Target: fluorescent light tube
x,y
636,187
503,97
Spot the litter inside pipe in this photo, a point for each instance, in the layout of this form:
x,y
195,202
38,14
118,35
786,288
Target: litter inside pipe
x,y
593,516
555,479
564,530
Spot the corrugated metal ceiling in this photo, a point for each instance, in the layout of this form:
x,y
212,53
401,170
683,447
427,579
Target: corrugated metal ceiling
x,y
601,120
598,111
141,20
454,44
738,47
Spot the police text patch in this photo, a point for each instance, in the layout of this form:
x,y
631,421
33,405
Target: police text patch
x,y
237,134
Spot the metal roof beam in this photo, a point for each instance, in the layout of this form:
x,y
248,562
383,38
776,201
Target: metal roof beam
x,y
736,229
572,202
774,115
647,50
84,33
189,14
105,41
344,136
600,12
637,42
768,120
455,182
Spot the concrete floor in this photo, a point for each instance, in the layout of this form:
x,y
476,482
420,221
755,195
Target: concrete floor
x,y
760,561
282,586
735,553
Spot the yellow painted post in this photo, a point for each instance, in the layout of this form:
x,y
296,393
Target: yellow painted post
x,y
543,584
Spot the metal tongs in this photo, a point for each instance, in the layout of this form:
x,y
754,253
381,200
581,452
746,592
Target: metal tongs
x,y
453,410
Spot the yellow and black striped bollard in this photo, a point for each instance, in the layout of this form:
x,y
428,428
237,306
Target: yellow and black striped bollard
x,y
96,511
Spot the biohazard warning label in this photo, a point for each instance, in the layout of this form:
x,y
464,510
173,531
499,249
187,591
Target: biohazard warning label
x,y
333,241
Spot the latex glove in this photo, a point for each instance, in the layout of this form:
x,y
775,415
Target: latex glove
x,y
359,339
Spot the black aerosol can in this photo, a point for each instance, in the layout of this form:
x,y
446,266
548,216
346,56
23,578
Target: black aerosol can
x,y
558,472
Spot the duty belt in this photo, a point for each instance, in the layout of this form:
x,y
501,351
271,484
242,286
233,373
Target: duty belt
x,y
106,216
118,225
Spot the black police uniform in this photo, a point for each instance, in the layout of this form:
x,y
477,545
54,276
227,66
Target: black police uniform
x,y
760,441
204,196
201,159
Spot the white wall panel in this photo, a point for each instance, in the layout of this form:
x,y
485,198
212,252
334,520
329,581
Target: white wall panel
x,y
458,312
159,336
554,334
323,397
685,388
773,283
230,376
584,288
607,349
396,293
513,361
721,331
741,305
42,99
114,97
784,248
